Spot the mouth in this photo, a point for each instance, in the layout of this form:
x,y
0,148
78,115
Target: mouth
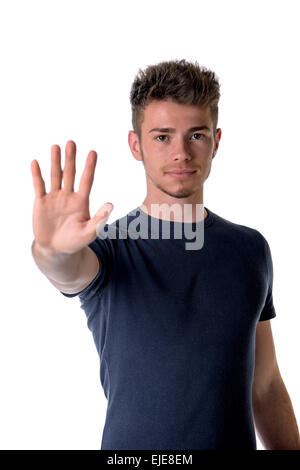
x,y
180,174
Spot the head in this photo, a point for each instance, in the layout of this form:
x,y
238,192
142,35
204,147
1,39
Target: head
x,y
180,100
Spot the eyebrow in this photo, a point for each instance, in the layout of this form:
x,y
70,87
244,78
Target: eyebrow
x,y
172,130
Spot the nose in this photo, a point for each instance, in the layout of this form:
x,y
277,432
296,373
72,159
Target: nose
x,y
180,152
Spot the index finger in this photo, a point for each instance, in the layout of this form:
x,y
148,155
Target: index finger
x,y
87,177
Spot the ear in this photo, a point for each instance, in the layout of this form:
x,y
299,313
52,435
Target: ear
x,y
133,142
217,141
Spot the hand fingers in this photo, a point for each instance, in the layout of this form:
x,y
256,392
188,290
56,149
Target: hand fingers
x,y
87,177
69,169
56,171
38,182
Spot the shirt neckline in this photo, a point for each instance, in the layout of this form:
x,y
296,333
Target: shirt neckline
x,y
208,220
155,228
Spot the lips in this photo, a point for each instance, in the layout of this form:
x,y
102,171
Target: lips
x,y
181,173
178,172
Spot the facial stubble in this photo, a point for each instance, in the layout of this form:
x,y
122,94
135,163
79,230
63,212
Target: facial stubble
x,y
179,194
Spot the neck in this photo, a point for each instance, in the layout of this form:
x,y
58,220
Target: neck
x,y
166,207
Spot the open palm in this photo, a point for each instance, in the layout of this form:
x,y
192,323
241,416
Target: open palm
x,y
61,218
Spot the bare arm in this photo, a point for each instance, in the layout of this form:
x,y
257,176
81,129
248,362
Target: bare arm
x,y
275,419
272,407
68,273
62,224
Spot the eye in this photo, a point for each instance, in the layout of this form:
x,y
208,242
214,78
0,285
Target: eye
x,y
160,136
199,134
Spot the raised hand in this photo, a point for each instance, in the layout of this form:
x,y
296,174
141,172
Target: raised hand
x,y
61,218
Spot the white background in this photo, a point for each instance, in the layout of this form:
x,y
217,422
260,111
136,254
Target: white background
x,y
66,72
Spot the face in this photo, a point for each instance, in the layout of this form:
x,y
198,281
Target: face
x,y
175,138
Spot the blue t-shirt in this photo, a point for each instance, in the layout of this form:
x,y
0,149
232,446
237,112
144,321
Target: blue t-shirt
x,y
175,332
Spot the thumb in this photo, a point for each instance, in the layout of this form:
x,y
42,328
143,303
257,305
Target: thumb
x,y
101,217
104,210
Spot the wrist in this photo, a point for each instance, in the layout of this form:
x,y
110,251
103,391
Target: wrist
x,y
46,251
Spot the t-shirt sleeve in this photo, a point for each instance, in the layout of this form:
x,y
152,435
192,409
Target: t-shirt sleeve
x,y
268,310
102,249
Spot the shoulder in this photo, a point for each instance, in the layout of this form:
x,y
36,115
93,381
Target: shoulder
x,y
244,235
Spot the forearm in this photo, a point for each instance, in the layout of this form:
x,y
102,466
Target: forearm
x,y
61,268
274,418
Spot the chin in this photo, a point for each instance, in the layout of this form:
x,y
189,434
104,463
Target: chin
x,y
180,193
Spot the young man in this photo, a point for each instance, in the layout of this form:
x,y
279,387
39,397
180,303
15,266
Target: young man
x,y
187,358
